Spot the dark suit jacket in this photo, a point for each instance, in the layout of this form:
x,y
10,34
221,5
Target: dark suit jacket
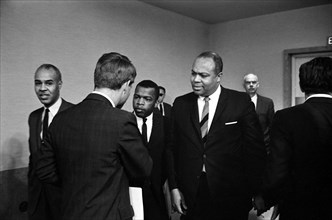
x,y
265,112
38,192
93,149
234,154
153,196
299,166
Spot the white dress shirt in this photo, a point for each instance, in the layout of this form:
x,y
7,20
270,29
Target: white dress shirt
x,y
149,121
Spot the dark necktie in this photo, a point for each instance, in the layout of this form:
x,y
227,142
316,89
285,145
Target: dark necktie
x,y
45,123
144,132
205,118
161,109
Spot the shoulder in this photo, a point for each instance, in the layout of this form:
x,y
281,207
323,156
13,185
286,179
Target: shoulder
x,y
265,99
36,113
234,95
66,104
187,98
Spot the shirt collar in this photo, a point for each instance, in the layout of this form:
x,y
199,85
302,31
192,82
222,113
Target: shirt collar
x,y
149,118
55,107
319,95
102,94
214,96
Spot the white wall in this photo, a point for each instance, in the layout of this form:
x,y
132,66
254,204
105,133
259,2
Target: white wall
x,y
257,44
73,35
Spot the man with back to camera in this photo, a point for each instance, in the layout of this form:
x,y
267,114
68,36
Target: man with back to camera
x,y
298,176
217,147
164,108
153,127
94,149
43,199
264,106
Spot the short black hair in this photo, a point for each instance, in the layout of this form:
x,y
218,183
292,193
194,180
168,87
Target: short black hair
x,y
47,66
149,84
316,76
216,59
113,70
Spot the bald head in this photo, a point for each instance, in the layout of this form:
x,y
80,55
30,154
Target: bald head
x,y
250,84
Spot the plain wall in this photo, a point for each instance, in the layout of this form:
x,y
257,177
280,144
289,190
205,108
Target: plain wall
x,y
256,45
73,35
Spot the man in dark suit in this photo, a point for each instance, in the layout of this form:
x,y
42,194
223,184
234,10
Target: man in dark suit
x,y
43,199
264,106
299,174
153,127
217,147
164,108
93,149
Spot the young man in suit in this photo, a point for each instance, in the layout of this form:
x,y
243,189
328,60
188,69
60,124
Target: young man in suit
x,y
94,149
298,176
164,108
43,199
153,127
264,106
217,147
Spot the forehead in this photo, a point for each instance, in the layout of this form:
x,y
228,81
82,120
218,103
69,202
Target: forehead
x,y
145,91
250,78
45,74
203,64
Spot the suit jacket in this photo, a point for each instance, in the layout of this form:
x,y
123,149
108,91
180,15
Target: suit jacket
x,y
92,150
265,112
299,166
38,192
234,154
153,196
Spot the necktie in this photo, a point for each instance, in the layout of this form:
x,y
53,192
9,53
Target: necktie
x,y
144,132
161,109
45,123
205,119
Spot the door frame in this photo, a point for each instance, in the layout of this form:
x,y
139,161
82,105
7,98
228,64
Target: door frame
x,y
287,73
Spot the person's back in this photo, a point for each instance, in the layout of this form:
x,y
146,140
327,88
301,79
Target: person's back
x,y
299,177
94,149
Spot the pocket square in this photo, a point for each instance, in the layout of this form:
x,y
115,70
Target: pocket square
x,y
231,123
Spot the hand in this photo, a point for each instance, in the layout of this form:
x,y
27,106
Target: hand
x,y
178,202
259,204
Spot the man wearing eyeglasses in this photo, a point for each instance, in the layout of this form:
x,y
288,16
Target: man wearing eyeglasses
x,y
264,106
164,108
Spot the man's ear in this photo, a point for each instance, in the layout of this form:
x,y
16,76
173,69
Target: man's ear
x,y
60,84
219,75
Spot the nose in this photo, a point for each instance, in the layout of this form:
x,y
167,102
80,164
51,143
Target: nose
x,y
140,101
196,78
42,86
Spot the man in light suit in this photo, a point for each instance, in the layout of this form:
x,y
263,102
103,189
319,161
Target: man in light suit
x,y
299,174
154,136
216,147
164,108
94,149
43,199
264,106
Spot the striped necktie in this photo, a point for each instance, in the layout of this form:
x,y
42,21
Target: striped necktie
x,y
45,123
205,118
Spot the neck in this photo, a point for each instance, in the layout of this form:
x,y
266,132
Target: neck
x,y
114,95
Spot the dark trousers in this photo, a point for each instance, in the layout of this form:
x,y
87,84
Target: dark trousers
x,y
206,208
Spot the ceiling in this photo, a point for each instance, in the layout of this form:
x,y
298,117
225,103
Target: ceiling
x,y
216,11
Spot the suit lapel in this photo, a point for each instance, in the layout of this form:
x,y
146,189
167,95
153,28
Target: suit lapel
x,y
194,116
38,124
155,134
220,107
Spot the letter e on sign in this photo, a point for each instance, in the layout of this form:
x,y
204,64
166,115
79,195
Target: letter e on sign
x,y
329,41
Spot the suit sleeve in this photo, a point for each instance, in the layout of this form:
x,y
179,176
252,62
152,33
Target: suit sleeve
x,y
277,172
134,155
254,149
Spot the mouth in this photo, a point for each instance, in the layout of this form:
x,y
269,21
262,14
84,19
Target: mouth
x,y
43,96
138,110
